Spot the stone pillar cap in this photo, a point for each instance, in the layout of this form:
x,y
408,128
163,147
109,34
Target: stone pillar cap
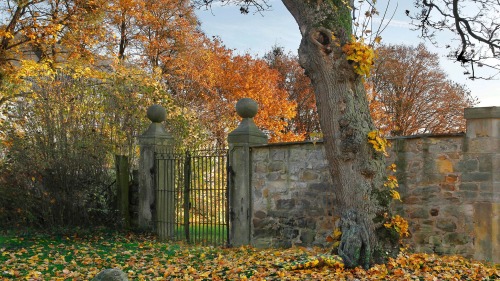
x,y
247,108
247,132
157,113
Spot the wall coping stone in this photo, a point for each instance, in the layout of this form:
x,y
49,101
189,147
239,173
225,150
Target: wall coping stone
x,y
492,112
447,135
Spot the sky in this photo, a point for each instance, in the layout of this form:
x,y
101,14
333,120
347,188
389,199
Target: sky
x,y
257,33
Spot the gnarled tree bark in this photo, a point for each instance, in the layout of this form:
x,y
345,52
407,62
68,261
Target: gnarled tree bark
x,y
357,170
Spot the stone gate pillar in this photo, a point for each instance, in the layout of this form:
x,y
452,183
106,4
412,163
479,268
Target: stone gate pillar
x,y
240,141
483,179
154,139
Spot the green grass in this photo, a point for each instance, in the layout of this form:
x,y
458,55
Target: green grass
x,y
203,234
46,255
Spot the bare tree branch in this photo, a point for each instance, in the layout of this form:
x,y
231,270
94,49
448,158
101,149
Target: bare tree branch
x,y
475,25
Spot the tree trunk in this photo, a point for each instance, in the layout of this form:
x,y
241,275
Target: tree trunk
x,y
357,170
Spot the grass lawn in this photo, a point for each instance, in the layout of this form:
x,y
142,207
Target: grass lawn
x,y
203,234
74,257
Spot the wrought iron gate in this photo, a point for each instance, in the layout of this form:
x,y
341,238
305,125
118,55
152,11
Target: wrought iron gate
x,y
192,196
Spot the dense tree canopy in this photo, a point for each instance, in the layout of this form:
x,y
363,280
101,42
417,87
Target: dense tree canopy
x,y
212,79
410,94
298,86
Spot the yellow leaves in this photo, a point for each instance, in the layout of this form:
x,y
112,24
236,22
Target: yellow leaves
x,y
432,267
392,182
334,236
337,233
361,54
82,71
395,195
309,262
379,143
399,224
164,261
315,136
6,34
392,167
33,69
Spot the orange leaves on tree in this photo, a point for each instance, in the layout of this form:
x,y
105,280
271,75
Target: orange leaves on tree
x,y
409,93
299,90
211,79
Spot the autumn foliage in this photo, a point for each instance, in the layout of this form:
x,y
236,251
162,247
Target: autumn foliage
x,y
162,39
298,86
213,80
410,93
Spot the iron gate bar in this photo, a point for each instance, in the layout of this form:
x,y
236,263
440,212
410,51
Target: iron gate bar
x,y
229,182
187,190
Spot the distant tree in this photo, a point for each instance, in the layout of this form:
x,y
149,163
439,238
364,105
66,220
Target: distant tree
x,y
298,86
411,94
149,32
475,27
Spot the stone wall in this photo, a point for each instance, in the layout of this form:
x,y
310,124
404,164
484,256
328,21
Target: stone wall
x,y
436,196
450,187
292,195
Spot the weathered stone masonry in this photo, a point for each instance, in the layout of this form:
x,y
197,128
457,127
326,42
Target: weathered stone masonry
x,y
292,195
450,185
281,194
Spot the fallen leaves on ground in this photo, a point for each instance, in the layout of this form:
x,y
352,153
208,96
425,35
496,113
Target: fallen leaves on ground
x,y
144,258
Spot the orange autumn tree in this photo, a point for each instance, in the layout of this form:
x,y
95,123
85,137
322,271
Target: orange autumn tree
x,y
149,33
410,93
298,86
212,79
201,75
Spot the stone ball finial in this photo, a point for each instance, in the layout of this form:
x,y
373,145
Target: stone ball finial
x,y
247,108
157,113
